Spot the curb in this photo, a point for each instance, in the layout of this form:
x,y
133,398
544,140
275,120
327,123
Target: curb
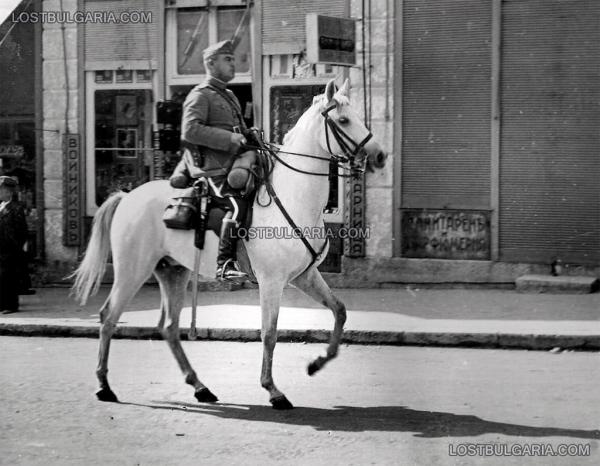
x,y
540,342
557,284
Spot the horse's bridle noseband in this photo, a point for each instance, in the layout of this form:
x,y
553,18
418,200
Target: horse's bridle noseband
x,y
345,142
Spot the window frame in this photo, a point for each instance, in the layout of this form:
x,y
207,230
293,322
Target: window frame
x,y
173,78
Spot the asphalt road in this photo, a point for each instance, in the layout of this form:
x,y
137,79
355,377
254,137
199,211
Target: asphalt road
x,y
373,405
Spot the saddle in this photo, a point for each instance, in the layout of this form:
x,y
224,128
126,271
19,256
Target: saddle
x,y
192,209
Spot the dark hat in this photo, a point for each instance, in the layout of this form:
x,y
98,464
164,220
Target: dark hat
x,y
8,181
225,47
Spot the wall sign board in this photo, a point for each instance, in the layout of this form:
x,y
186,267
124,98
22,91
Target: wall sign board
x,y
330,40
446,234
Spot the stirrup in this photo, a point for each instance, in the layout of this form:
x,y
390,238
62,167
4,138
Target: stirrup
x,y
229,271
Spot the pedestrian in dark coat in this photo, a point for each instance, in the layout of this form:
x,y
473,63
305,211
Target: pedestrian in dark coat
x,y
13,234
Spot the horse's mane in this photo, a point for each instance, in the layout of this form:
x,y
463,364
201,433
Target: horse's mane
x,y
318,103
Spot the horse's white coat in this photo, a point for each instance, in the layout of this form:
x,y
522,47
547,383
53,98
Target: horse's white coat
x,y
139,240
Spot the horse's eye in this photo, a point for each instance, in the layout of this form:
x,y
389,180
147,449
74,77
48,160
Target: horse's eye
x,y
343,120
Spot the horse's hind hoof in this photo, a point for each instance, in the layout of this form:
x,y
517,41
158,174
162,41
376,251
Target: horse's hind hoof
x,y
106,394
313,367
204,395
281,402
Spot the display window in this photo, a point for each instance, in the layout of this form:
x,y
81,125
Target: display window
x,y
119,132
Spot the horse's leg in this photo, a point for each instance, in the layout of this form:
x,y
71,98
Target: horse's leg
x,y
163,310
107,328
111,311
313,284
173,282
270,299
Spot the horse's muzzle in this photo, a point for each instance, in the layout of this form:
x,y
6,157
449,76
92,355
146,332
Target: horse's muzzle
x,y
376,160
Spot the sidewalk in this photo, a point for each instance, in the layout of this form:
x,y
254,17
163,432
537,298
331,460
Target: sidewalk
x,y
402,316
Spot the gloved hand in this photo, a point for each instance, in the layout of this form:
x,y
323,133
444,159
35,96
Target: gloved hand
x,y
236,142
253,135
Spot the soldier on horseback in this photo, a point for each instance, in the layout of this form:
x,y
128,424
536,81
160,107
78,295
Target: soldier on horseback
x,y
213,133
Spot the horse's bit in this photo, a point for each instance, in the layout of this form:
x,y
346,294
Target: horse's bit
x,y
345,142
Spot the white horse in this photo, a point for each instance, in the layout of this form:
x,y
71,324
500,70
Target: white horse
x,y
131,225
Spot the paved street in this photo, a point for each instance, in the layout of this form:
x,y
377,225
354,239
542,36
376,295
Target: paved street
x,y
373,405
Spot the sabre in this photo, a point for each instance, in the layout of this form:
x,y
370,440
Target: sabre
x,y
201,189
193,334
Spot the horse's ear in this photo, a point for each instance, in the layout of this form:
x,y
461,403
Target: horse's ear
x,y
345,88
330,90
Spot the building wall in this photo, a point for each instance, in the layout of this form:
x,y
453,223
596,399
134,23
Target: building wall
x,y
56,84
377,52
377,90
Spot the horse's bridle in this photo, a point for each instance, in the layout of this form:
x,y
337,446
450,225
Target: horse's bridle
x,y
349,147
350,150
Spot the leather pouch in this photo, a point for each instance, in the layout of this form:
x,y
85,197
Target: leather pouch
x,y
181,213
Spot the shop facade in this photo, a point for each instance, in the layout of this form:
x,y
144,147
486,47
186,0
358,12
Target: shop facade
x,y
496,123
489,111
20,116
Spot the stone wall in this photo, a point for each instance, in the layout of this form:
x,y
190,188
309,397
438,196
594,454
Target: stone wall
x,y
55,87
378,51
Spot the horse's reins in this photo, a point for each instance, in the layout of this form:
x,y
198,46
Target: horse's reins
x,y
343,139
345,142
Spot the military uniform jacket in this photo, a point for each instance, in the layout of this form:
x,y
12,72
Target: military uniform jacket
x,y
13,231
207,122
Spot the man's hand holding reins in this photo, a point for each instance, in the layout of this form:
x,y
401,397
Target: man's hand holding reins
x,y
236,143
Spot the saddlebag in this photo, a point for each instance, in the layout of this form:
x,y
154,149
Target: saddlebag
x,y
182,212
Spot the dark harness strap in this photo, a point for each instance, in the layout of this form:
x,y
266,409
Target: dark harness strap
x,y
343,139
315,255
232,103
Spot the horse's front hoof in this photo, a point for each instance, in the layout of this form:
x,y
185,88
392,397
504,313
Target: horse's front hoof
x,y
204,395
313,367
106,394
281,402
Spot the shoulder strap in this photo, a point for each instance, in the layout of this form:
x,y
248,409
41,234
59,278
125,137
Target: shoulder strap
x,y
233,103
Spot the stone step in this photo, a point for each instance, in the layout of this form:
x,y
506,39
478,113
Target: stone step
x,y
559,284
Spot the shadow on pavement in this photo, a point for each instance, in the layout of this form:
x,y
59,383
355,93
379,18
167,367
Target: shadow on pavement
x,y
425,424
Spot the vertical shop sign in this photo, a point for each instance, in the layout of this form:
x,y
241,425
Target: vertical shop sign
x,y
355,217
71,198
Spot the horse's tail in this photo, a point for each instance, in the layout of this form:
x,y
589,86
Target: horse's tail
x,y
88,275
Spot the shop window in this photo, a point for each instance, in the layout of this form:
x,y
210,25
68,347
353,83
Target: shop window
x,y
193,29
227,22
17,159
288,103
192,38
122,134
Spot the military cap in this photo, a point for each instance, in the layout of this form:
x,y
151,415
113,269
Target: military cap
x,y
225,47
8,182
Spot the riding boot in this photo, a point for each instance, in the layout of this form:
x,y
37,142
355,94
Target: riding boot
x,y
227,267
